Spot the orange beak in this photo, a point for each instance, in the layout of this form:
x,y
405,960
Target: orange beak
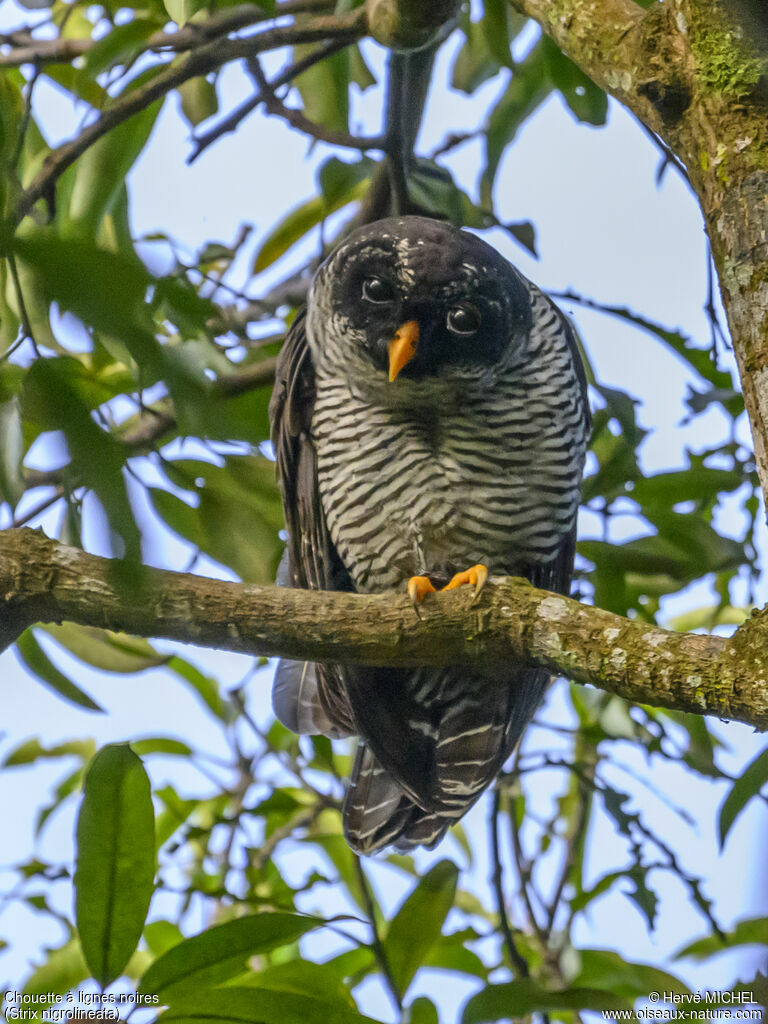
x,y
402,348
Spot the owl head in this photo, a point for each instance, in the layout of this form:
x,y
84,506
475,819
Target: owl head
x,y
418,298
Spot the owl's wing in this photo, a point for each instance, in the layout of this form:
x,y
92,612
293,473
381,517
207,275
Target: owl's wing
x,y
313,563
303,694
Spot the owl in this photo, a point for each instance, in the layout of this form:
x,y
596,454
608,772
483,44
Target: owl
x,y
429,421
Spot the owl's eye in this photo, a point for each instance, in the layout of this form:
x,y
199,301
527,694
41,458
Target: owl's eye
x,y
463,320
378,289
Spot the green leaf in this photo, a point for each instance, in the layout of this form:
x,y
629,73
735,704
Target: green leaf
x,y
111,652
52,396
9,319
101,172
11,452
115,861
701,484
528,87
359,72
751,932
161,745
418,923
206,688
63,969
421,1011
501,25
518,998
433,192
72,80
586,100
642,895
37,661
178,515
160,936
116,304
198,100
72,783
221,953
307,216
173,815
324,88
337,178
302,976
33,750
746,787
684,548
183,11
233,1004
238,515
628,980
119,46
475,63
32,293
525,233
487,45
707,617
450,953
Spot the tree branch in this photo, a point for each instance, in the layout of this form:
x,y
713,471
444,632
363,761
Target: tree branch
x,y
42,580
196,62
26,49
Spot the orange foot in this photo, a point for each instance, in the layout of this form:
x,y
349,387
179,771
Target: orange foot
x,y
420,586
476,577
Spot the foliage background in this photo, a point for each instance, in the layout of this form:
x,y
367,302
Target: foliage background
x,y
597,236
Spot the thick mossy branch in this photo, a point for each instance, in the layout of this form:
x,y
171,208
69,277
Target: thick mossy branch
x,y
42,580
696,73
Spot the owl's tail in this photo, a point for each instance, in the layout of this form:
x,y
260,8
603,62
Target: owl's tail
x,y
452,756
377,813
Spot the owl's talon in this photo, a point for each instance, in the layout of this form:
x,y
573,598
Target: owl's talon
x,y
476,577
418,588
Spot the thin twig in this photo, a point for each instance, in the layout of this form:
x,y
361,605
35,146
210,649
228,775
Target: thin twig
x,y
38,509
517,959
301,819
523,871
454,140
14,346
242,111
573,842
668,157
296,119
715,326
23,314
376,944
22,132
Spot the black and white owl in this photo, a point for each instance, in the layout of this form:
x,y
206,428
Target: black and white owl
x,y
430,421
